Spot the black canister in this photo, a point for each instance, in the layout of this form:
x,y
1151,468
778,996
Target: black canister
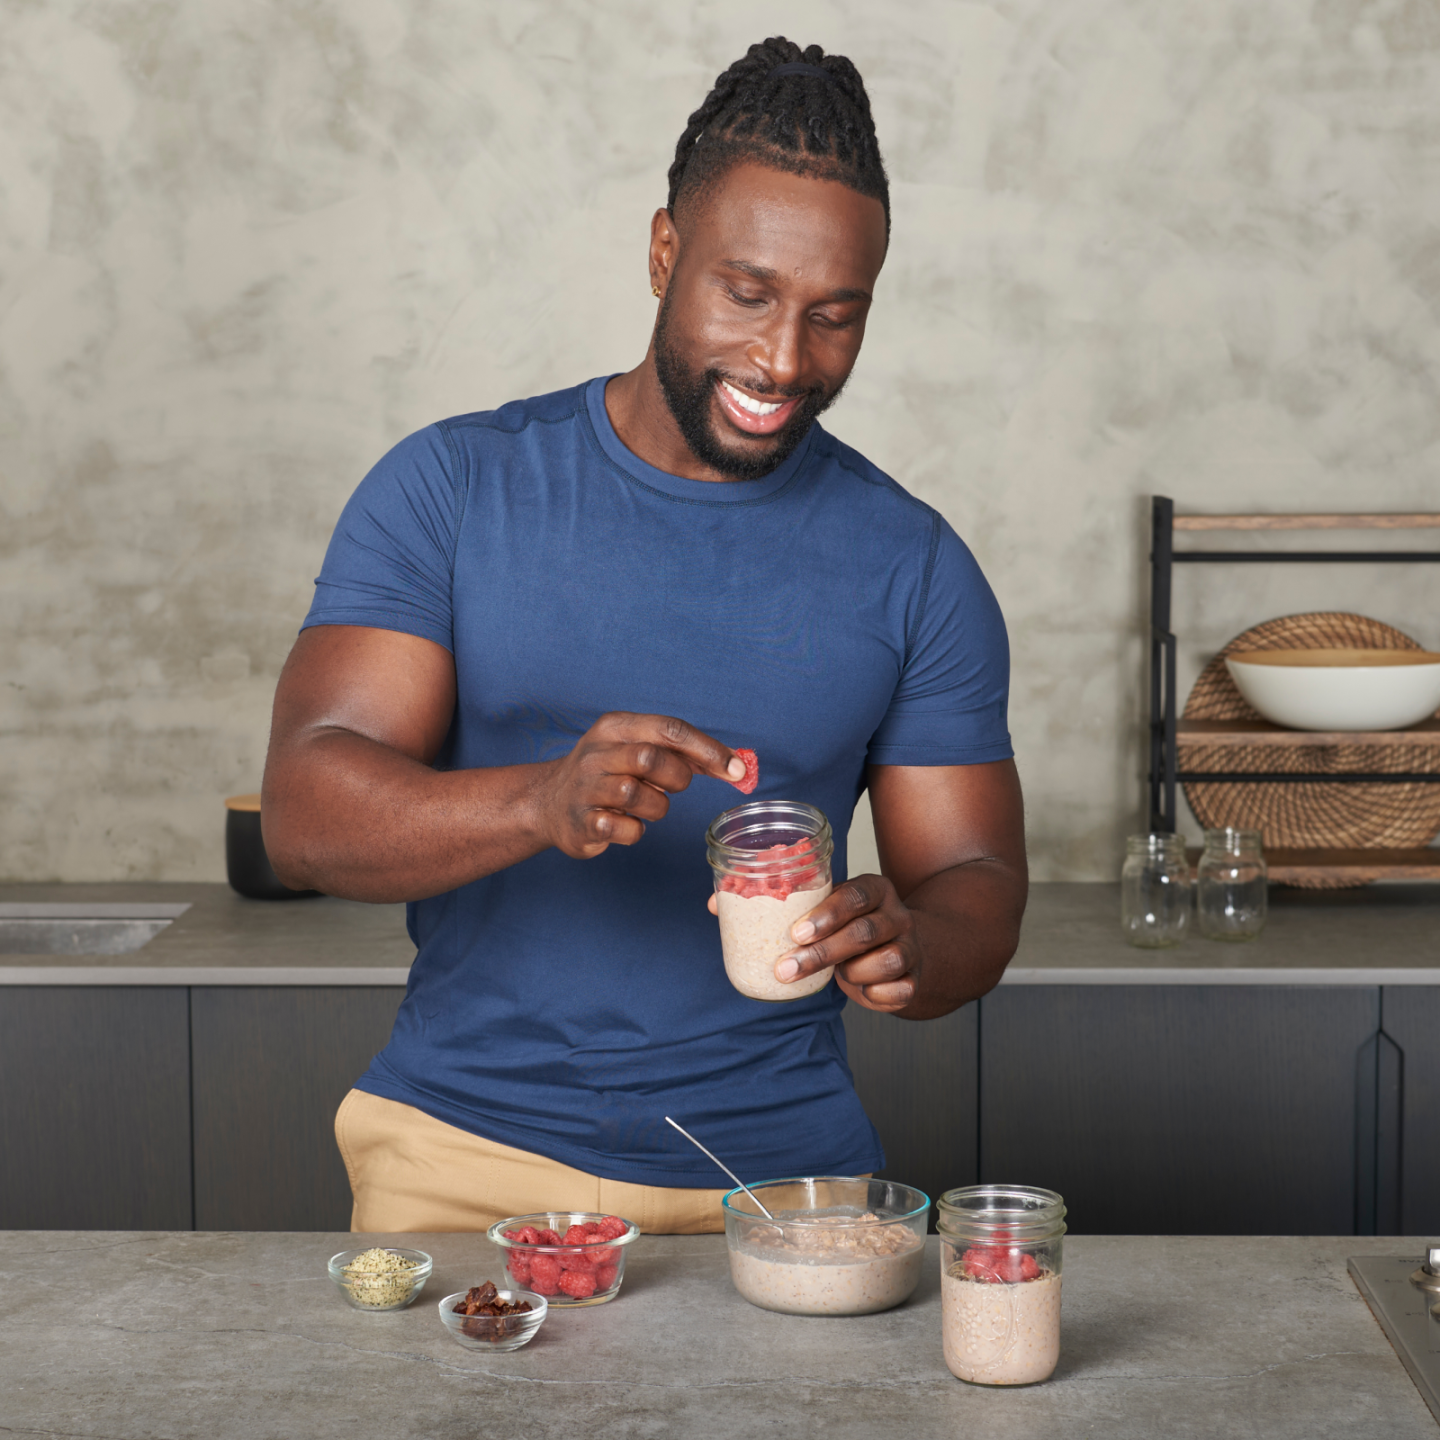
x,y
247,866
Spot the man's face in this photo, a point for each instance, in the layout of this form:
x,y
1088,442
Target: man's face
x,y
769,288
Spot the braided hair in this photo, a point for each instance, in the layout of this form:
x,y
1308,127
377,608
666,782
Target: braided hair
x,y
815,126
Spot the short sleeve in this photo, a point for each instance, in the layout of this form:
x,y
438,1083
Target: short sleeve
x,y
950,707
391,560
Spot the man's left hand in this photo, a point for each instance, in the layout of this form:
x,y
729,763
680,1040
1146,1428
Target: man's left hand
x,y
952,841
866,931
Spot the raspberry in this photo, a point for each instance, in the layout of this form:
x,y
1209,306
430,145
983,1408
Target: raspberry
x,y
512,1235
996,1266
545,1274
578,1284
519,1268
778,886
527,1233
607,1256
575,1235
986,1262
576,1260
546,1237
605,1276
612,1227
752,772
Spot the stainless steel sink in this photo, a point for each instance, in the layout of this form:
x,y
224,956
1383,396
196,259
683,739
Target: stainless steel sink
x,y
81,929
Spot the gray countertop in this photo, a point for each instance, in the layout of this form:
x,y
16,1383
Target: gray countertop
x,y
135,1336
223,939
1372,935
1378,935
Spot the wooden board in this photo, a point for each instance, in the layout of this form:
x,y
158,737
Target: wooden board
x,y
1307,522
1358,867
1262,732
1361,866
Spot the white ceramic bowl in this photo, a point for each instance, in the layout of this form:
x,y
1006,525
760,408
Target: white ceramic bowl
x,y
1339,689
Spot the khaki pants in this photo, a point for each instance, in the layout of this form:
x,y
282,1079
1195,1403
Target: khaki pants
x,y
411,1172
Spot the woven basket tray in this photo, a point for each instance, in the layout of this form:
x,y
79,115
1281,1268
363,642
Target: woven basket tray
x,y
1310,816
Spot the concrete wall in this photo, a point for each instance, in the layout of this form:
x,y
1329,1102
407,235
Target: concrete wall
x,y
1185,246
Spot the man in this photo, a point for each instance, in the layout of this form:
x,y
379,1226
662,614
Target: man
x,y
538,638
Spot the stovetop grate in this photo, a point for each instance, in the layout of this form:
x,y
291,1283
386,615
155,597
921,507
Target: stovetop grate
x,y
1403,1310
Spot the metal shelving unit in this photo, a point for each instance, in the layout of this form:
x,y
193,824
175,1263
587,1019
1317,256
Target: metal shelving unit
x,y
1168,733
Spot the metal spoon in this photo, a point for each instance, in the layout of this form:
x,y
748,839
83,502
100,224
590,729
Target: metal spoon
x,y
724,1167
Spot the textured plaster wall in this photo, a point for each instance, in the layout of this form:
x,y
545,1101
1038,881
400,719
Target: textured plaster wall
x,y
1185,246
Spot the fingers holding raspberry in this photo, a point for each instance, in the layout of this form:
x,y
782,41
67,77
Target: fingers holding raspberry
x,y
619,776
751,761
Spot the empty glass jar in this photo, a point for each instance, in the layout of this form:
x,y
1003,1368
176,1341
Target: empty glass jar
x,y
1155,890
1230,887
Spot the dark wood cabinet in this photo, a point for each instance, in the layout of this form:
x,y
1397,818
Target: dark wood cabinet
x,y
1181,1109
919,1082
271,1066
94,1108
1408,1084
1152,1108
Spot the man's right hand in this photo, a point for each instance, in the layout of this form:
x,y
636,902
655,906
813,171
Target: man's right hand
x,y
621,774
353,806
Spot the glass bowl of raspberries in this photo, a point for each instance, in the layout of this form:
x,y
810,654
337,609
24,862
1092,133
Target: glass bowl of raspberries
x,y
570,1257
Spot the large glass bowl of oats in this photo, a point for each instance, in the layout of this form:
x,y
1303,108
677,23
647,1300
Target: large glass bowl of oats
x,y
837,1245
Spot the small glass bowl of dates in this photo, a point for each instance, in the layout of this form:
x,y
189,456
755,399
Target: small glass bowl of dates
x,y
571,1257
484,1318
380,1278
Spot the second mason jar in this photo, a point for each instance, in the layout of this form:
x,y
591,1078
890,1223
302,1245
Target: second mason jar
x,y
1155,890
1000,1262
1231,886
771,860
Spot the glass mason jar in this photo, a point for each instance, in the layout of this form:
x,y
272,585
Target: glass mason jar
x,y
1000,1260
771,860
1155,890
1230,887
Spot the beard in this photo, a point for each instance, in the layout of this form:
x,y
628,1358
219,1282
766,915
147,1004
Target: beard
x,y
690,396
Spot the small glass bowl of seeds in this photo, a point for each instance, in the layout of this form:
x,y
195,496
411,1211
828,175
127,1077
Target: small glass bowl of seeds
x,y
380,1278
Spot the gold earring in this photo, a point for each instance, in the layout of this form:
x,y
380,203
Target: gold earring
x,y
655,291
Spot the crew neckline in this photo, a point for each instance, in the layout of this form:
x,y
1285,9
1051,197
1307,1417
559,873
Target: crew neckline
x,y
677,487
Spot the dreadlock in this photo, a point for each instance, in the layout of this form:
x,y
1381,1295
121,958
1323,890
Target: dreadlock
x,y
816,126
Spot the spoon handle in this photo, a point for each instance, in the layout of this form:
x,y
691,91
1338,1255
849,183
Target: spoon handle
x,y
724,1167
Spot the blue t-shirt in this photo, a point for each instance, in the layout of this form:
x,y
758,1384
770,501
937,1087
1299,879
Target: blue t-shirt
x,y
820,616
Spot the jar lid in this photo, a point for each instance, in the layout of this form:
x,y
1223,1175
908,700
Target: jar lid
x,y
1017,1213
1160,842
1230,841
769,837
